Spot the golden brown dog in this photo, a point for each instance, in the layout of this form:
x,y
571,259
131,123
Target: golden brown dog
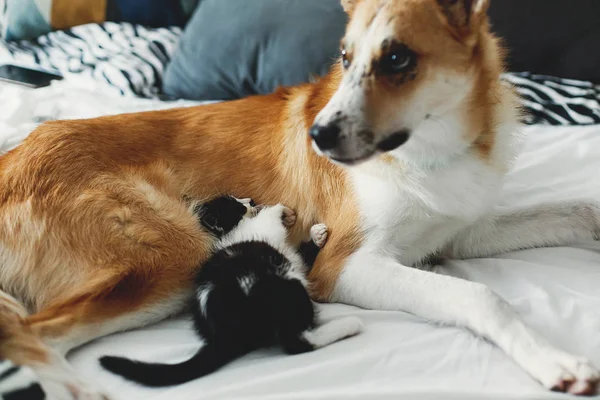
x,y
413,132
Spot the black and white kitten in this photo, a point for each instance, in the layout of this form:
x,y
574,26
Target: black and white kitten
x,y
250,294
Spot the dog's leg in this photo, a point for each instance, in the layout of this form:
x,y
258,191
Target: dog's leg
x,y
19,344
126,301
155,245
377,282
546,225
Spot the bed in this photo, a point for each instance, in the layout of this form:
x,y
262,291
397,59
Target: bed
x,y
398,356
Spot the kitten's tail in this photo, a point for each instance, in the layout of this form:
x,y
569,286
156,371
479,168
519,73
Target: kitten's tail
x,y
208,359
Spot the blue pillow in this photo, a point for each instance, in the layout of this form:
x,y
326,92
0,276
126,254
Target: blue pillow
x,y
235,48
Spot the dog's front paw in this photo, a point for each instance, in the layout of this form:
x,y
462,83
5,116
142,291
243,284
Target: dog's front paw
x,y
566,373
319,234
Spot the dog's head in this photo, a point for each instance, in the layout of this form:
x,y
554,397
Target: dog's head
x,y
410,71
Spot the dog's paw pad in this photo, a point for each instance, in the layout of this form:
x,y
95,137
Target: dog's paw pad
x,y
573,375
319,234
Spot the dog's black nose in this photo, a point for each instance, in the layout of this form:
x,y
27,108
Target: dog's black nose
x,y
325,136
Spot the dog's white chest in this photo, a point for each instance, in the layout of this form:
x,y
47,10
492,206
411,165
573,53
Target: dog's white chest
x,y
413,213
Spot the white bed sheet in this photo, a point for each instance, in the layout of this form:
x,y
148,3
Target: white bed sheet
x,y
398,356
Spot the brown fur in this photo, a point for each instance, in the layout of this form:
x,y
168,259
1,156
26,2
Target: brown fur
x,y
17,342
94,221
94,210
468,47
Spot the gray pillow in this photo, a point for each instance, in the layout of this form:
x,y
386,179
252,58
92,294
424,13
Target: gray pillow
x,y
235,48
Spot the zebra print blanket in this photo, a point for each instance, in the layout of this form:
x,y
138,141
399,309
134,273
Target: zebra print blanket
x,y
18,383
131,59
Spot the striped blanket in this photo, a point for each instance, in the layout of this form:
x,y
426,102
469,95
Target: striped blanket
x,y
131,59
18,383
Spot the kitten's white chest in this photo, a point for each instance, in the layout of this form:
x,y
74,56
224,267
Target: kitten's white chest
x,y
412,213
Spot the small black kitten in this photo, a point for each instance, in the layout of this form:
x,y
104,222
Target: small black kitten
x,y
250,294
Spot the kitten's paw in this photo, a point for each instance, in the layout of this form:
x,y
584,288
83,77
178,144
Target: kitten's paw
x,y
319,234
288,217
350,326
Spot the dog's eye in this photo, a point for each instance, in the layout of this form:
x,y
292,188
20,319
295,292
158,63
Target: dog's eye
x,y
396,62
345,60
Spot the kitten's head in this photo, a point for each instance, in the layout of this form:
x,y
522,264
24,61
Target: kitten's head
x,y
220,215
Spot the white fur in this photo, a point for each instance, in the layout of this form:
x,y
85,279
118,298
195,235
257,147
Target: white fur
x,y
83,333
268,227
333,331
246,283
14,381
438,197
60,381
202,293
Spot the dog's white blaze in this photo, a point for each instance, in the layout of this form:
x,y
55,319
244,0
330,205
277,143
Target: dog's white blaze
x,y
350,97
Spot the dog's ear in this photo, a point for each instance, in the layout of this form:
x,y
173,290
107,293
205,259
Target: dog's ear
x,y
463,17
349,5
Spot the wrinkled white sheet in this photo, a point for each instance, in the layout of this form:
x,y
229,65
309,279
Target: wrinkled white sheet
x,y
398,356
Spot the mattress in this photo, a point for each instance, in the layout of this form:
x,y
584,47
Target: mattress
x,y
398,356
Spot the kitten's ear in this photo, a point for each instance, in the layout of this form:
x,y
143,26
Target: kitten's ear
x,y
349,5
463,17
